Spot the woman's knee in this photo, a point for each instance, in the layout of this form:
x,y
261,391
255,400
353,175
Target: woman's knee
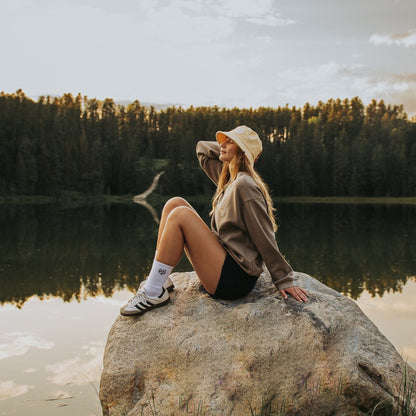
x,y
181,213
173,203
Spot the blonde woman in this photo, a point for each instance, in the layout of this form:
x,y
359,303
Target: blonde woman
x,y
229,257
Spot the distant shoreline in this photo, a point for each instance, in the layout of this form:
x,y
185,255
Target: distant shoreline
x,y
81,199
346,200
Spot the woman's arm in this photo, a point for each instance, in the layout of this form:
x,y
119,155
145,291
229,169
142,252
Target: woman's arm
x,y
260,229
208,155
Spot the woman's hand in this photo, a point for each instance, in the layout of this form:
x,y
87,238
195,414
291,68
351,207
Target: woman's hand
x,y
297,292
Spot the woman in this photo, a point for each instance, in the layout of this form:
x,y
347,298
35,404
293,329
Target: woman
x,y
227,258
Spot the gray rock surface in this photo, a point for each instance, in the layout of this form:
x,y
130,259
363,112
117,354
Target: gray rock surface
x,y
231,357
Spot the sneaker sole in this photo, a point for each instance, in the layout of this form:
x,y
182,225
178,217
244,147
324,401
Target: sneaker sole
x,y
140,312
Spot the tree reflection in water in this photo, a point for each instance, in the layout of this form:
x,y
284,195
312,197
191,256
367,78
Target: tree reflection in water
x,y
49,250
351,247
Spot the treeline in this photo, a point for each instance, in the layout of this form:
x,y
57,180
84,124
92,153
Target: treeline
x,y
75,144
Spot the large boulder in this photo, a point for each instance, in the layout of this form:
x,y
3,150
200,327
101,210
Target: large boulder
x,y
198,355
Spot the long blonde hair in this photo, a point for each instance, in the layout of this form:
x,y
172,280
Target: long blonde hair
x,y
229,173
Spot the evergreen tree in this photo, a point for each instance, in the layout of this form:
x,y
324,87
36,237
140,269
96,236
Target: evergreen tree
x,y
78,144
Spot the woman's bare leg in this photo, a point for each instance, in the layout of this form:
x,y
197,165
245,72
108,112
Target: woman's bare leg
x,y
168,207
182,228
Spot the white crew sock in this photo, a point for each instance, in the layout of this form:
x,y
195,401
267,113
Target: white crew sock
x,y
157,277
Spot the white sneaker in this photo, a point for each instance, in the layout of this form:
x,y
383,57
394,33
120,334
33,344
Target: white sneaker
x,y
169,286
141,303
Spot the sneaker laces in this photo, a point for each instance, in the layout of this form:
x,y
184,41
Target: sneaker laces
x,y
140,296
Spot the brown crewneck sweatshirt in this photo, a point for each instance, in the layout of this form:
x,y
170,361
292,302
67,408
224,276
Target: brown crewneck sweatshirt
x,y
241,222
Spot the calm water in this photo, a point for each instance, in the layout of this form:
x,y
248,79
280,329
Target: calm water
x,y
65,272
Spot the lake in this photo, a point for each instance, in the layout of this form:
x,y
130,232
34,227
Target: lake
x,y
65,272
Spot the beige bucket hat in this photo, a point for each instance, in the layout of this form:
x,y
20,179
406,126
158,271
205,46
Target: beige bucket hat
x,y
246,139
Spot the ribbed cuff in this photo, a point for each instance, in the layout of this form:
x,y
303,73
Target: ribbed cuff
x,y
285,282
284,285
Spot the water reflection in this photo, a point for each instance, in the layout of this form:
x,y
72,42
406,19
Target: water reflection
x,y
47,250
351,247
17,343
71,253
54,360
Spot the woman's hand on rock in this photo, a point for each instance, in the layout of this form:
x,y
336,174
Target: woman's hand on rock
x,y
297,292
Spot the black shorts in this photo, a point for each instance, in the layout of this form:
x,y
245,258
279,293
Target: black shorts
x,y
234,282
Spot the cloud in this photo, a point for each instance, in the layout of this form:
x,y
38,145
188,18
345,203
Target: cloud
x,y
80,370
269,20
406,39
173,25
260,12
172,51
336,80
174,21
394,88
240,8
9,389
203,21
19,343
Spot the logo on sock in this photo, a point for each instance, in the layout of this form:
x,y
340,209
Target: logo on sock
x,y
162,271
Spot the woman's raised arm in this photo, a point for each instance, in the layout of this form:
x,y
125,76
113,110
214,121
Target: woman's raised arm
x,y
208,155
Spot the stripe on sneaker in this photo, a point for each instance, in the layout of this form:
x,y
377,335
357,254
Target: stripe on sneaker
x,y
140,307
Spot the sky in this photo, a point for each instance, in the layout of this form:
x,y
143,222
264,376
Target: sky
x,y
244,53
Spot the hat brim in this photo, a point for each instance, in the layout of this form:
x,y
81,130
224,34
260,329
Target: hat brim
x,y
222,136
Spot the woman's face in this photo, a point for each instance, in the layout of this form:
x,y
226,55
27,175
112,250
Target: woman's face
x,y
228,150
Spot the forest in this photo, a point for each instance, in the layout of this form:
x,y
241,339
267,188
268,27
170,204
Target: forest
x,y
73,144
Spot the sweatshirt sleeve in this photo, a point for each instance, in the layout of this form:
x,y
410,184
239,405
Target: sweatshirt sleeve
x,y
208,153
260,229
